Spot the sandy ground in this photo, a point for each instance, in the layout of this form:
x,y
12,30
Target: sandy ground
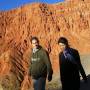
x,y
55,84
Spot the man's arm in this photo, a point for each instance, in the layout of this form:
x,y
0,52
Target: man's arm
x,y
80,67
49,66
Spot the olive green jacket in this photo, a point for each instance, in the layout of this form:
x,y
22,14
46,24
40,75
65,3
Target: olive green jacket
x,y
40,64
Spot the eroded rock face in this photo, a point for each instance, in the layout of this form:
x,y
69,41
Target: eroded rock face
x,y
48,23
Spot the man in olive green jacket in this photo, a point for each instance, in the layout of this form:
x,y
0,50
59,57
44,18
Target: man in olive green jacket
x,y
40,66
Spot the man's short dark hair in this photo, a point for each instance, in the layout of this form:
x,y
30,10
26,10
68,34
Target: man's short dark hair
x,y
34,38
63,40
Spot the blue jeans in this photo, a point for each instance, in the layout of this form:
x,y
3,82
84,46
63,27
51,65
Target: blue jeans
x,y
39,84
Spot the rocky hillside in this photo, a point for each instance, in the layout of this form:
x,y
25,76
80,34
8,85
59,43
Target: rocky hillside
x,y
48,22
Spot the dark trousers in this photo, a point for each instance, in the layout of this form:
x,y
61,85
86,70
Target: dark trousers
x,y
39,84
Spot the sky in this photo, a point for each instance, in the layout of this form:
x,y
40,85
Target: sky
x,y
10,4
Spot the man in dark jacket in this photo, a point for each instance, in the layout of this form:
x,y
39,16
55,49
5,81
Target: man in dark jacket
x,y
40,66
70,66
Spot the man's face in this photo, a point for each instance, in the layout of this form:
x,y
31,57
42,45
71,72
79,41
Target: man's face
x,y
35,43
62,46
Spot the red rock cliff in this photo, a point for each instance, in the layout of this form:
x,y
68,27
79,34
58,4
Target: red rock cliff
x,y
48,23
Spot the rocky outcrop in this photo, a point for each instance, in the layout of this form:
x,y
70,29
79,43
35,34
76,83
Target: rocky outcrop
x,y
48,23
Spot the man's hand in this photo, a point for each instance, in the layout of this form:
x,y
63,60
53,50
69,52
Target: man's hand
x,y
86,80
49,78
